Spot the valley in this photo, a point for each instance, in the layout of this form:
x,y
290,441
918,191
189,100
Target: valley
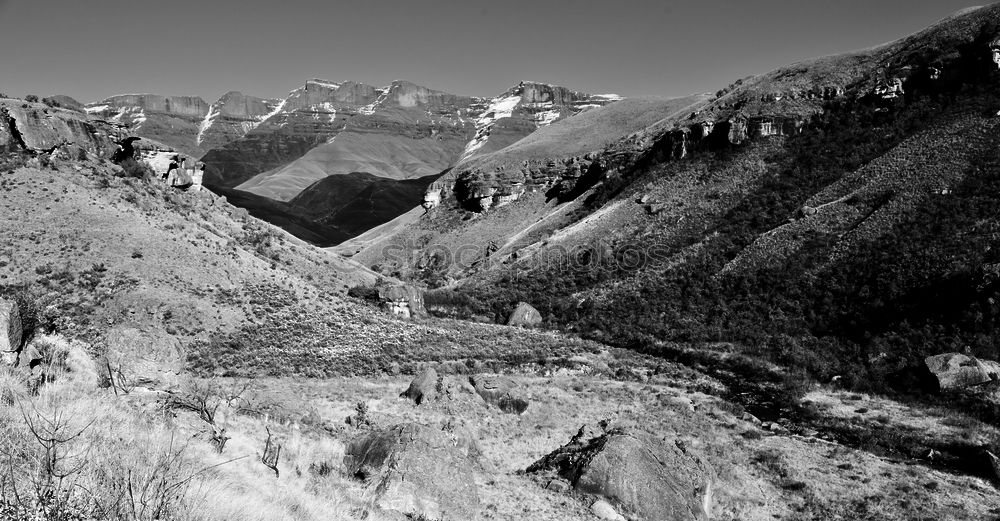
x,y
777,300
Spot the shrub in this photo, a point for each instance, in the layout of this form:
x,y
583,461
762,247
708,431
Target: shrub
x,y
137,169
365,293
31,98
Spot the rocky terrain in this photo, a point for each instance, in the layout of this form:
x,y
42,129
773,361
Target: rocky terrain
x,y
774,302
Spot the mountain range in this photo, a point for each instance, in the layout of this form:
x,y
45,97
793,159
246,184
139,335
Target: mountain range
x,y
275,151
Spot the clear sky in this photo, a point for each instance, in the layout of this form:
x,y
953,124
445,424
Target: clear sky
x,y
91,49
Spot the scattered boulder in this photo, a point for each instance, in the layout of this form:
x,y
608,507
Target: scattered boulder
x,y
403,300
648,478
142,357
434,384
604,510
11,331
417,470
423,388
524,315
655,209
500,391
957,371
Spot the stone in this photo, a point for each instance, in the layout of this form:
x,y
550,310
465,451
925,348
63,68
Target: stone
x,y
650,478
403,300
142,356
10,331
423,388
994,464
557,485
656,209
416,470
524,315
500,391
604,510
957,371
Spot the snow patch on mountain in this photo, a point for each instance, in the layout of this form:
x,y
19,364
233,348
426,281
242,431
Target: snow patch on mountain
x,y
369,109
277,110
213,113
499,108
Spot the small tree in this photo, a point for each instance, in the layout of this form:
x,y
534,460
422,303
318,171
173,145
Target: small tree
x,y
31,98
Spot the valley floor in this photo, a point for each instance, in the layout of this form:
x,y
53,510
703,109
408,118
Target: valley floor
x,y
762,471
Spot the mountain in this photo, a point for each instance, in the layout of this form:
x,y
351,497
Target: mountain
x,y
831,215
401,131
186,123
173,120
231,117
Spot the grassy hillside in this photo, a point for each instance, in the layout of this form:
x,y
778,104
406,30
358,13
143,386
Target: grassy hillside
x,y
388,156
852,243
588,131
855,248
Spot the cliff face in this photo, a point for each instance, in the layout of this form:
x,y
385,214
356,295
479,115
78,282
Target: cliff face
x,y
745,111
173,120
309,116
37,128
231,117
190,106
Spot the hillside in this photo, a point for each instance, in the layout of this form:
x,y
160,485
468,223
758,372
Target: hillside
x,y
756,217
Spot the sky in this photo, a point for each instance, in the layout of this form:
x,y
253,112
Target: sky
x,y
97,48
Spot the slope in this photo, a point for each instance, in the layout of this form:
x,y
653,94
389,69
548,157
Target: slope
x,y
813,215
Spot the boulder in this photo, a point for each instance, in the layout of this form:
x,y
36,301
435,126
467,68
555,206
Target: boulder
x,y
524,315
500,391
423,388
10,331
604,510
402,300
957,371
417,470
144,357
650,479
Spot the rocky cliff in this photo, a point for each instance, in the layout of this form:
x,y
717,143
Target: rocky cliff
x,y
231,117
173,120
36,128
186,123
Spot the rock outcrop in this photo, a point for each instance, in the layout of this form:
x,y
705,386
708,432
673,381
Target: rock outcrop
x,y
173,120
403,300
10,331
424,387
500,391
36,128
481,190
142,357
647,478
953,371
524,315
418,471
